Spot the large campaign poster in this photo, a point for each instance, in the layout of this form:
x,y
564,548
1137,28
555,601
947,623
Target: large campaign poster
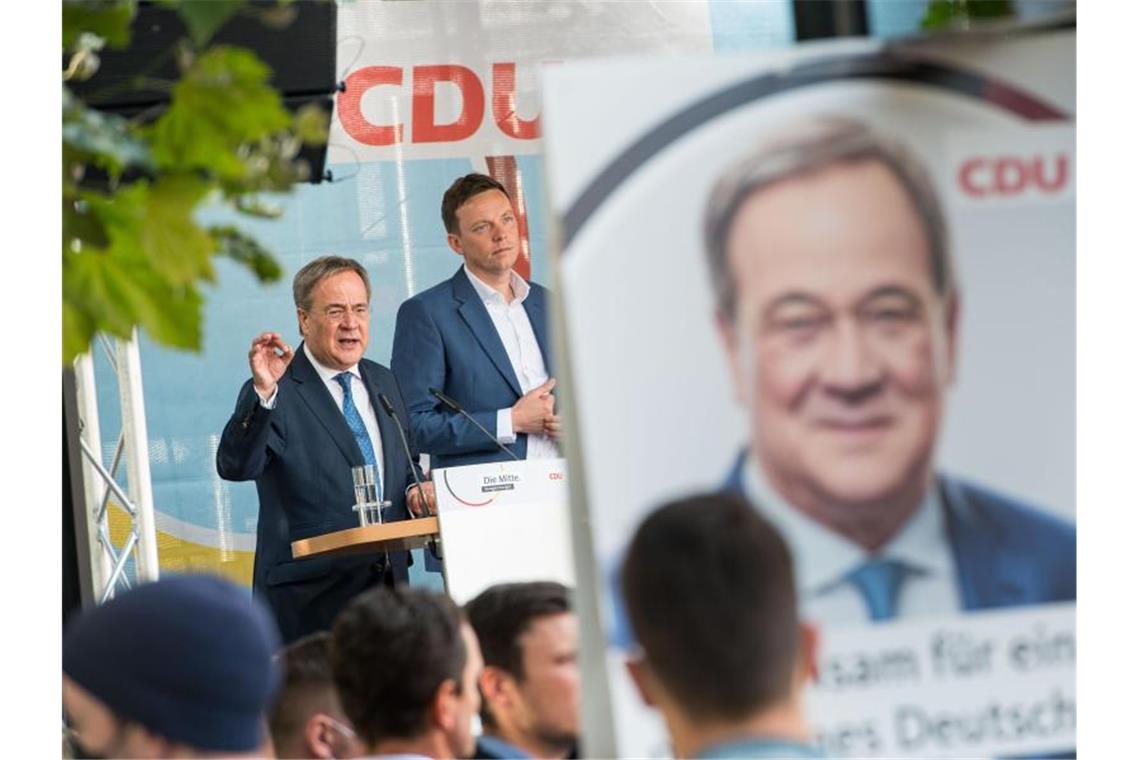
x,y
847,267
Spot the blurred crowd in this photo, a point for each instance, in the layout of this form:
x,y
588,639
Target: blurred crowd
x,y
192,665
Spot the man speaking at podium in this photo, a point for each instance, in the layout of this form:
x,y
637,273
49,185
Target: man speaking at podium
x,y
478,340
301,423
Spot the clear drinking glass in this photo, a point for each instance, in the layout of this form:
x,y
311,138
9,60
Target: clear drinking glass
x,y
367,492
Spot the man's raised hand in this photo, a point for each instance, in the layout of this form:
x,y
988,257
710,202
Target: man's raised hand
x,y
269,355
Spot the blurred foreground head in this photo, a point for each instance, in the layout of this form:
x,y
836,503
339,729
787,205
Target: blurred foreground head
x,y
530,682
307,720
709,589
406,666
181,667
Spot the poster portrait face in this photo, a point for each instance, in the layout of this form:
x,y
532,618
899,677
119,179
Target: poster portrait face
x,y
838,325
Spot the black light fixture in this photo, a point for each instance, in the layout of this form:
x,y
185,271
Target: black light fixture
x,y
301,53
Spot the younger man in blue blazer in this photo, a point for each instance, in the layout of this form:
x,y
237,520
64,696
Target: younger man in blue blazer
x,y
480,338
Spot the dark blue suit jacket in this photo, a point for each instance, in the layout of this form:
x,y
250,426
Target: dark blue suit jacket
x,y
1007,554
301,454
445,339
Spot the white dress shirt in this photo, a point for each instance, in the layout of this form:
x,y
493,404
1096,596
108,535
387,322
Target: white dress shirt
x,y
823,558
517,336
359,398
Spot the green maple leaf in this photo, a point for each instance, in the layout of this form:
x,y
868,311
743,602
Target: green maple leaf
x,y
153,225
78,330
223,102
944,13
202,19
145,272
179,249
103,289
105,140
245,250
109,20
133,254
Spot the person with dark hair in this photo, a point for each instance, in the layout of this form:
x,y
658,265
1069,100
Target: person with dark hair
x,y
480,338
307,720
301,423
181,667
838,308
406,666
530,682
708,587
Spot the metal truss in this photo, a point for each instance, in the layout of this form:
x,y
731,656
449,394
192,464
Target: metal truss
x,y
100,484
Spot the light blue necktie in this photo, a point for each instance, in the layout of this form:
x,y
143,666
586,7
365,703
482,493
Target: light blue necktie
x,y
355,423
879,580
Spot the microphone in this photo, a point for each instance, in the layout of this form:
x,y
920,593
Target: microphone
x,y
454,406
391,412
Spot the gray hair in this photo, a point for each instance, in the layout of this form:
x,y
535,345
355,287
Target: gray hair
x,y
311,274
807,147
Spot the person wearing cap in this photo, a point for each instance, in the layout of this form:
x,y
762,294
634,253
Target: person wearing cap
x,y
182,667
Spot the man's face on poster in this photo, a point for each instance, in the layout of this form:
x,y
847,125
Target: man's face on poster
x,y
840,345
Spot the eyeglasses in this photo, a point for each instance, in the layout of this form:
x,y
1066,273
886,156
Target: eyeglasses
x,y
71,740
343,729
337,313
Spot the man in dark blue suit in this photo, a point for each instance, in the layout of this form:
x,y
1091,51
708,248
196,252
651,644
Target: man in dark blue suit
x,y
838,308
301,422
480,338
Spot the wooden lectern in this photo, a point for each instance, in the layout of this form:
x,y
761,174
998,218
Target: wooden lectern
x,y
498,522
394,536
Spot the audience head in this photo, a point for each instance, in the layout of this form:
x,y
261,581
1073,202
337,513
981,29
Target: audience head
x,y
481,226
180,667
462,190
406,665
530,682
307,720
708,587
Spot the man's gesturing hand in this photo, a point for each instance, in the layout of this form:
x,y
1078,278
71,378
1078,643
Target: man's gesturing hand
x,y
268,358
530,412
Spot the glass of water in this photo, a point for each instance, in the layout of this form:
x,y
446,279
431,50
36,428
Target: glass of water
x,y
367,492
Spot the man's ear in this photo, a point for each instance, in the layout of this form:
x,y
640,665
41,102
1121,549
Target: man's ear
x,y
495,686
317,735
643,679
443,706
453,241
952,309
303,322
726,331
807,668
